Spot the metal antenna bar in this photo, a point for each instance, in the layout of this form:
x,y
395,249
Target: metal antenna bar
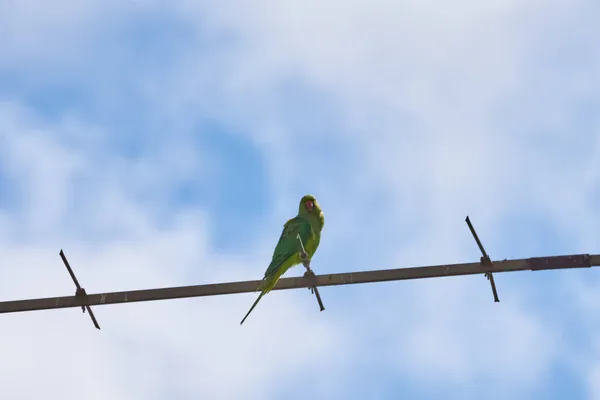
x,y
80,292
436,271
485,260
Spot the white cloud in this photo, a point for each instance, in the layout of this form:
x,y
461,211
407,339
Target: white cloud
x,y
34,32
487,342
422,96
426,99
594,379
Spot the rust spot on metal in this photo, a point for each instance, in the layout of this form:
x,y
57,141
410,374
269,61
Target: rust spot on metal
x,y
560,262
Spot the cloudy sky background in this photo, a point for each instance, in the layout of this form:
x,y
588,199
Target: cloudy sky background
x,y
165,143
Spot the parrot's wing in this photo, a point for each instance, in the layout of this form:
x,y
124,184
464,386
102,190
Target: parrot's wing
x,y
288,244
287,247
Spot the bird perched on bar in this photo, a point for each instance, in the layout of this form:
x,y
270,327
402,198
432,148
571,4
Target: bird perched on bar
x,y
301,233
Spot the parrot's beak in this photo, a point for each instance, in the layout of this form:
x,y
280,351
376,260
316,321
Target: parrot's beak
x,y
310,205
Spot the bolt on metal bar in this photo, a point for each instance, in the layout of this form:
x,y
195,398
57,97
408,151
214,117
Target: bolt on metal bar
x,y
435,271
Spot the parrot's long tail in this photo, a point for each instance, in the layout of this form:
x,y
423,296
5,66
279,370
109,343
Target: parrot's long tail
x,y
253,305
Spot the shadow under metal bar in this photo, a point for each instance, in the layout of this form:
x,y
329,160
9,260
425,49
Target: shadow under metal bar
x,y
436,271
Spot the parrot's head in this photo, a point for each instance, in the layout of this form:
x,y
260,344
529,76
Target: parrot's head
x,y
310,205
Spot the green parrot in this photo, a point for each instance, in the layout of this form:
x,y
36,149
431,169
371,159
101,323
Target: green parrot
x,y
307,225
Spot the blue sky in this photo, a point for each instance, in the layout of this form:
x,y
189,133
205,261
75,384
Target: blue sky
x,y
165,143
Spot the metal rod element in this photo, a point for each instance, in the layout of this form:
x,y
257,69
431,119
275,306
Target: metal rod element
x,y
485,260
385,275
80,292
309,273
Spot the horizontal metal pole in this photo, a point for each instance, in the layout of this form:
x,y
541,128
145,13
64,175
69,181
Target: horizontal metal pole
x,y
436,271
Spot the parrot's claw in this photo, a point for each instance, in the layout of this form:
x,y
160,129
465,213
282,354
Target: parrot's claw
x,y
304,257
309,273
